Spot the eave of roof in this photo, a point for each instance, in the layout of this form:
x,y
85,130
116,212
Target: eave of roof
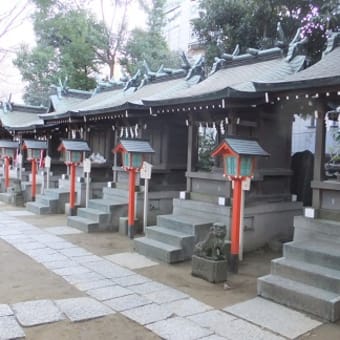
x,y
324,73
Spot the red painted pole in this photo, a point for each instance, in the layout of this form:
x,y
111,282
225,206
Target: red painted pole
x,y
235,226
72,187
34,179
6,172
131,211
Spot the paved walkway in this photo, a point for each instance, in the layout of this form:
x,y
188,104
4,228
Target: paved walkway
x,y
112,286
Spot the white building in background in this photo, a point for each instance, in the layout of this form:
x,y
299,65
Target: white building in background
x,y
303,135
178,30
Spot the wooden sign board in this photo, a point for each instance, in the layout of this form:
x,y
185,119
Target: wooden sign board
x,y
87,165
48,162
145,171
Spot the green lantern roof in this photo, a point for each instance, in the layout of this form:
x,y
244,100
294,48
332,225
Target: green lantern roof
x,y
246,147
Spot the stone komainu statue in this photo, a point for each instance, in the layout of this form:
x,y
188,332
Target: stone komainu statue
x,y
213,246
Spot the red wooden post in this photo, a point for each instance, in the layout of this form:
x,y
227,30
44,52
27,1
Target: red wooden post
x,y
131,212
235,225
72,187
6,172
34,178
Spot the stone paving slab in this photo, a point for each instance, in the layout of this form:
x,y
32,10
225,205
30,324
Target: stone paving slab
x,y
31,313
63,230
59,264
84,277
10,329
166,295
273,316
178,328
4,231
61,245
50,257
213,337
73,270
74,252
230,327
86,258
131,260
5,310
84,286
148,287
84,308
127,281
16,213
30,246
109,292
17,238
127,302
40,252
187,307
147,314
47,238
108,269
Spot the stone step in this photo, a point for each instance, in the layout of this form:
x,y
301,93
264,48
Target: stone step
x,y
316,228
326,254
83,224
187,224
172,237
56,192
47,200
101,217
316,301
158,250
115,192
38,208
106,205
200,209
311,274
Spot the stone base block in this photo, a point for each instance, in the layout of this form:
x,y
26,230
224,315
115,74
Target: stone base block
x,y
69,211
124,227
210,270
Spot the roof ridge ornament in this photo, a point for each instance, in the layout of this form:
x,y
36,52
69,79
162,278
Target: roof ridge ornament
x,y
197,71
296,46
333,41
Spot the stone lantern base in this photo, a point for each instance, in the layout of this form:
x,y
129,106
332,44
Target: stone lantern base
x,y
211,270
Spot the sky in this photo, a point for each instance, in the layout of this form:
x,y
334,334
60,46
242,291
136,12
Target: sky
x,y
10,78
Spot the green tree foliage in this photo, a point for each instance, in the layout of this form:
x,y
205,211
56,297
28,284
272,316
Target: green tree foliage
x,y
149,44
253,23
65,49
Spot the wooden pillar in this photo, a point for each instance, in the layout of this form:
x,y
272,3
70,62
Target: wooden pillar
x,y
6,172
115,159
192,153
319,156
72,188
34,178
131,208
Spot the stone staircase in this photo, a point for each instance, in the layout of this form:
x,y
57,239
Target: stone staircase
x,y
307,277
51,202
102,214
173,238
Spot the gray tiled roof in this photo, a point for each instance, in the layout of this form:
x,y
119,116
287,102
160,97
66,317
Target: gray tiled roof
x,y
117,99
75,145
35,144
247,147
21,116
229,81
123,98
326,72
8,144
137,145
